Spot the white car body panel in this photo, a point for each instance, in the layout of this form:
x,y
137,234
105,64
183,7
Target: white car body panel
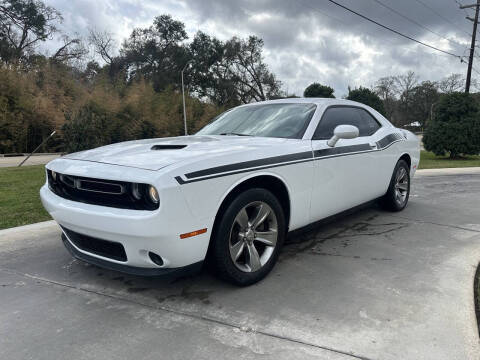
x,y
194,181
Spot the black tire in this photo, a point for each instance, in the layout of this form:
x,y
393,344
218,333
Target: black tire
x,y
391,200
220,257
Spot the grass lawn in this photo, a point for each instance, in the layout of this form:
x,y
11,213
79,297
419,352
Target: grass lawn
x,y
19,198
428,160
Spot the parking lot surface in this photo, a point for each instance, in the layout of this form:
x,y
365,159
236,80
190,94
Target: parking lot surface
x,y
368,285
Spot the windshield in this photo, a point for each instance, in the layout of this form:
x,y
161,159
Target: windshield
x,y
269,120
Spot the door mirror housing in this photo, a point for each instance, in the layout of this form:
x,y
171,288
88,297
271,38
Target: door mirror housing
x,y
343,132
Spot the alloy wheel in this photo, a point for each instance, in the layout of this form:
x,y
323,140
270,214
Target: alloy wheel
x,y
401,185
253,236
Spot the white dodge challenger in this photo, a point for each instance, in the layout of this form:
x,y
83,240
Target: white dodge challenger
x,y
231,192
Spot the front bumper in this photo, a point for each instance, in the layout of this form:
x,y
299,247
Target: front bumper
x,y
131,270
139,232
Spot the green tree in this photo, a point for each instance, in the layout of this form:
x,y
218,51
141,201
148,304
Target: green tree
x,y
23,24
318,90
231,72
424,97
367,97
249,73
455,128
209,75
156,53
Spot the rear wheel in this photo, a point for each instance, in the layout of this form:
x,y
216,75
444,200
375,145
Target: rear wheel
x,y
248,239
396,198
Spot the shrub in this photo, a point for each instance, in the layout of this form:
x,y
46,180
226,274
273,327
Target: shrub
x,y
455,129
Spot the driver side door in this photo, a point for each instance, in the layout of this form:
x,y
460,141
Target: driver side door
x,y
344,174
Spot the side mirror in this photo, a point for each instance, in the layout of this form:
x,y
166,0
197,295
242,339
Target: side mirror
x,y
343,132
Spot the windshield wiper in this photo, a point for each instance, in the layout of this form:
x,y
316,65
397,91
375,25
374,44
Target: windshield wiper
x,y
233,133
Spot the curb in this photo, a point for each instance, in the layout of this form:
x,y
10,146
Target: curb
x,y
26,154
476,288
448,171
30,227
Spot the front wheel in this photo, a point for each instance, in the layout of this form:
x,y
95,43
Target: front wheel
x,y
398,192
248,239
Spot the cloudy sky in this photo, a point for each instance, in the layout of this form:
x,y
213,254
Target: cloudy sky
x,y
305,40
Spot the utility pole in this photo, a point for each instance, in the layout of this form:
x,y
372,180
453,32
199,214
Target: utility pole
x,y
472,48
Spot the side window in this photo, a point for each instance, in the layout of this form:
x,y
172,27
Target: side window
x,y
335,116
368,125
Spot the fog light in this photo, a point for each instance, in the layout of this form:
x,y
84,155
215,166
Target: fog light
x,y
153,194
155,258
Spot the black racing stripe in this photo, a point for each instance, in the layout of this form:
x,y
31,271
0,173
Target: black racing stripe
x,y
290,159
250,164
387,140
181,181
341,150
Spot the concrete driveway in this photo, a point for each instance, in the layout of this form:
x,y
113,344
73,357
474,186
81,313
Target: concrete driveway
x,y
370,285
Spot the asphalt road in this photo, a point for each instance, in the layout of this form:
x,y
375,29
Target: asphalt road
x,y
370,285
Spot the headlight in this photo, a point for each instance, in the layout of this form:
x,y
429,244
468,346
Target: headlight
x,y
153,194
54,175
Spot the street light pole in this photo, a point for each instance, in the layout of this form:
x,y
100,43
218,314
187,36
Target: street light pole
x,y
183,96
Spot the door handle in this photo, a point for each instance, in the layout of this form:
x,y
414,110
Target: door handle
x,y
373,146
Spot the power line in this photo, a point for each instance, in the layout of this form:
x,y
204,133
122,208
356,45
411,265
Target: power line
x,y
474,70
443,17
393,30
416,22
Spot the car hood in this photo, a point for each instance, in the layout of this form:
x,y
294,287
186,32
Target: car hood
x,y
154,154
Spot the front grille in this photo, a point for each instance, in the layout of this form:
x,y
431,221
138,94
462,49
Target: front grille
x,y
109,249
100,187
111,193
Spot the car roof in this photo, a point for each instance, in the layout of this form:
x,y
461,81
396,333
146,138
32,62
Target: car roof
x,y
318,101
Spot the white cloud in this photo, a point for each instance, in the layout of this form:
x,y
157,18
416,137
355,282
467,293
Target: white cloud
x,y
305,40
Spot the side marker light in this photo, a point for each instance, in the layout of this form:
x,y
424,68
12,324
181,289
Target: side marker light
x,y
193,233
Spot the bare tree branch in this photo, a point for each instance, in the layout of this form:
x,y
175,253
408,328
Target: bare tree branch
x,y
103,44
72,49
452,83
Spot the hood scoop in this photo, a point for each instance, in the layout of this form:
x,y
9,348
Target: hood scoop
x,y
167,147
